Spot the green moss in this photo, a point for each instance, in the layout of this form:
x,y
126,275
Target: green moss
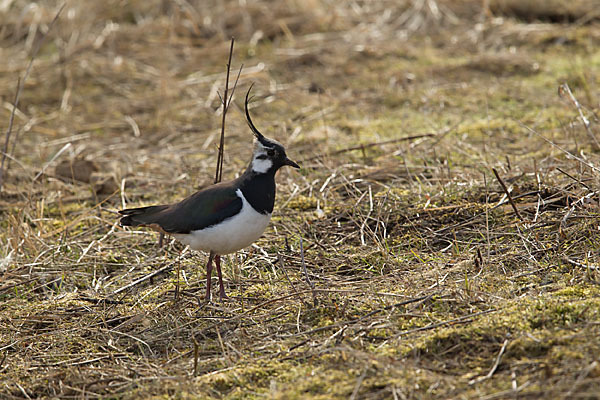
x,y
531,326
580,292
303,203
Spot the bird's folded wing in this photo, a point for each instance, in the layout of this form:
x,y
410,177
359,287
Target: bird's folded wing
x,y
201,210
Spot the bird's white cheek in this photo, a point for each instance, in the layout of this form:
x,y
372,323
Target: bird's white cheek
x,y
261,166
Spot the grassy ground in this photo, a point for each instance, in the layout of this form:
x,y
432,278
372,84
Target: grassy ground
x,y
427,283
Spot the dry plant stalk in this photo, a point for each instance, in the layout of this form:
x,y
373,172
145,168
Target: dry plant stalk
x,y
226,102
20,84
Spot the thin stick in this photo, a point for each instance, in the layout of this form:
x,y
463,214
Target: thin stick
x,y
462,319
494,367
178,283
310,283
144,278
572,177
568,153
54,157
9,130
564,88
510,199
359,381
373,144
20,85
196,351
221,343
370,314
219,170
487,217
237,78
472,219
100,301
584,374
280,259
580,265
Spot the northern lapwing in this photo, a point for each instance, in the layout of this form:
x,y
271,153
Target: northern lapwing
x,y
225,217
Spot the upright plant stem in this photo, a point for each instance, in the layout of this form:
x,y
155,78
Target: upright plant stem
x,y
225,100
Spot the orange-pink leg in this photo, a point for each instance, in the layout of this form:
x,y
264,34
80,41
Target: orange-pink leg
x,y
222,294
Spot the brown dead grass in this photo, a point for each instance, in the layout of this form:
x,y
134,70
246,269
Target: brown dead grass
x,y
426,283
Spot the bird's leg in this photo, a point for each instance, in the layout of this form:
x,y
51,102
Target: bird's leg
x,y
209,267
222,294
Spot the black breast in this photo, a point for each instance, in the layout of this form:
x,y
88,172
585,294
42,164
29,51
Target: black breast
x,y
259,190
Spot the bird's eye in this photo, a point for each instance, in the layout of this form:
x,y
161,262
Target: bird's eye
x,y
270,152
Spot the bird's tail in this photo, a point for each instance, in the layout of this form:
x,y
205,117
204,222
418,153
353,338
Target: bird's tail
x,y
141,216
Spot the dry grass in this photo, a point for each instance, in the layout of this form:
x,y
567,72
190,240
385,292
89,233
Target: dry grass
x,y
426,283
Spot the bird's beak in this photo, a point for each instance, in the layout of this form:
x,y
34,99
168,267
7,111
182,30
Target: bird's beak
x,y
290,163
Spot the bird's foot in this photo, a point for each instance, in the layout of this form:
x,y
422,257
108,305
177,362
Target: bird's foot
x,y
223,296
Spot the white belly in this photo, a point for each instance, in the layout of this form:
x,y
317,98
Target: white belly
x,y
229,236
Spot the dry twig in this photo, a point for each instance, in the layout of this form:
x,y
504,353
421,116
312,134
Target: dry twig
x,y
507,192
494,367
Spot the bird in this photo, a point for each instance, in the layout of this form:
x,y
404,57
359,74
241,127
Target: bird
x,y
225,217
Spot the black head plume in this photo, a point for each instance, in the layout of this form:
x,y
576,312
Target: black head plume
x,y
258,135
